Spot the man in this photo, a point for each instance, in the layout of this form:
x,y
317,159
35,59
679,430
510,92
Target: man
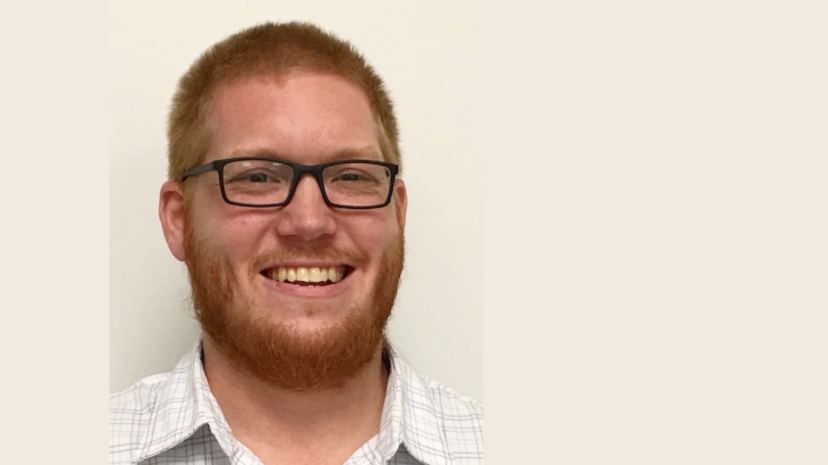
x,y
284,202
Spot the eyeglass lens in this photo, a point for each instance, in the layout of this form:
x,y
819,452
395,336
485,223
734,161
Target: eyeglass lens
x,y
265,182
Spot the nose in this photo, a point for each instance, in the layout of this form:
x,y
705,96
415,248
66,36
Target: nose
x,y
306,217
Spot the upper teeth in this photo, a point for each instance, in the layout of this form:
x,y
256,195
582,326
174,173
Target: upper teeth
x,y
306,275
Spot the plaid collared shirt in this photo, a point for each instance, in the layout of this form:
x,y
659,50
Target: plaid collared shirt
x,y
173,418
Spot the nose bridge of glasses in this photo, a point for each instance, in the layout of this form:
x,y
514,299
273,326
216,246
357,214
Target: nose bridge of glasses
x,y
301,177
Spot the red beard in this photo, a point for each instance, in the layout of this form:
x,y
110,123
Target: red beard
x,y
288,359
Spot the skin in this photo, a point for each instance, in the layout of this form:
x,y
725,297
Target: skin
x,y
307,118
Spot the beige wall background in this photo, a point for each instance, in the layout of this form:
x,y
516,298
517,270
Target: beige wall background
x,y
430,58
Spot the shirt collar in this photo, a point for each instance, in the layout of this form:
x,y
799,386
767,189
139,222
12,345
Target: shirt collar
x,y
185,404
409,415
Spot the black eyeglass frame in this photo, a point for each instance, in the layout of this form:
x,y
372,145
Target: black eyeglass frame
x,y
298,171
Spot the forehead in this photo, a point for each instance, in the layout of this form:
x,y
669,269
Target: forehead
x,y
302,116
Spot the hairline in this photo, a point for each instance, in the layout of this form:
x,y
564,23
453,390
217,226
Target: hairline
x,y
205,124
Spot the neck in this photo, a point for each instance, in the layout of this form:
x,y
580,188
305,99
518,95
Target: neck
x,y
280,424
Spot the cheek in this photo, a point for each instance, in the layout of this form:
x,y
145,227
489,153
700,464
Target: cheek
x,y
243,239
374,236
235,237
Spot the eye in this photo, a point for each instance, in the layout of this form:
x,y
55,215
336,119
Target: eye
x,y
351,176
258,177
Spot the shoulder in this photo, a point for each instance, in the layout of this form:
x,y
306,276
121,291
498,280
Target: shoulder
x,y
447,403
452,405
137,400
462,422
130,414
460,419
452,421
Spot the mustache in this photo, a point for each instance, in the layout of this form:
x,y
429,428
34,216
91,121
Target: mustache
x,y
287,255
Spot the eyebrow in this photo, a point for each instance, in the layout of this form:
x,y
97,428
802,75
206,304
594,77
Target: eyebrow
x,y
365,152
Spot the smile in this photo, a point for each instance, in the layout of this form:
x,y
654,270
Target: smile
x,y
308,275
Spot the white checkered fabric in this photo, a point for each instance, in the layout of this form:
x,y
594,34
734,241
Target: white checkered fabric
x,y
173,418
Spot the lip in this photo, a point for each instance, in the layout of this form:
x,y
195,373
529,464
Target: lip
x,y
317,264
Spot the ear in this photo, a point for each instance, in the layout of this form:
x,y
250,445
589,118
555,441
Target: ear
x,y
400,201
171,212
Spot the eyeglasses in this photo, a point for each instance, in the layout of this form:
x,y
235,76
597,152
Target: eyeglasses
x,y
262,182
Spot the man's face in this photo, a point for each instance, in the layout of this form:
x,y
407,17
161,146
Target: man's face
x,y
293,334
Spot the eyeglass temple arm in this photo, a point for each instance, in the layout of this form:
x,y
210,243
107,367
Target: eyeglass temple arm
x,y
198,170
